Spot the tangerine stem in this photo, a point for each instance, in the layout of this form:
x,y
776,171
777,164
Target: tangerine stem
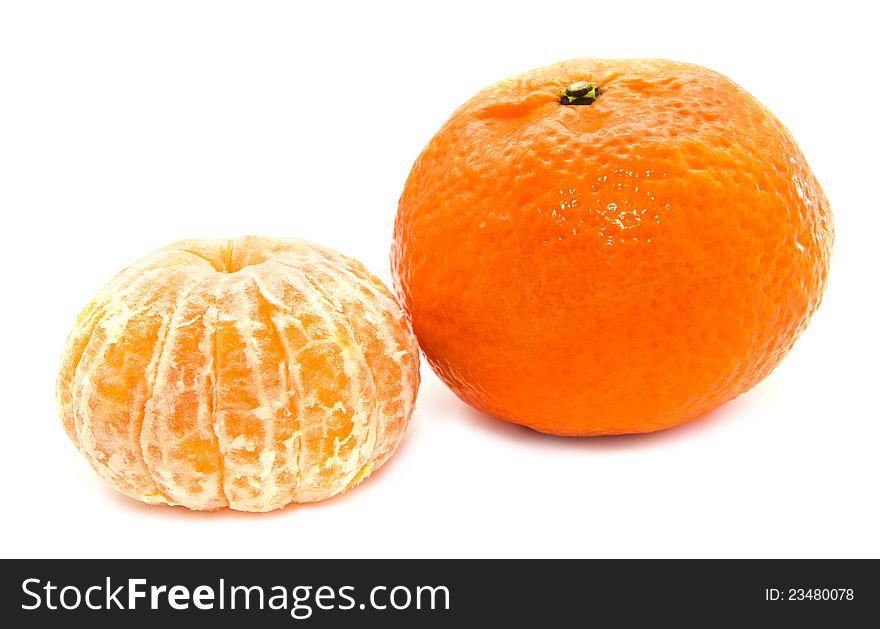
x,y
580,93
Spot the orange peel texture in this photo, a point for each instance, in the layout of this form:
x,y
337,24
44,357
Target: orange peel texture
x,y
609,246
248,373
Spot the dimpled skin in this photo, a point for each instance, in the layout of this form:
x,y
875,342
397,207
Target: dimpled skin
x,y
618,267
248,373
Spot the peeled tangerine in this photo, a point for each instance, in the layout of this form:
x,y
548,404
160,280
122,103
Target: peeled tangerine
x,y
247,373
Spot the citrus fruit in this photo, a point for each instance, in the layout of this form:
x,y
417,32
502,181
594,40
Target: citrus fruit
x,y
609,246
247,373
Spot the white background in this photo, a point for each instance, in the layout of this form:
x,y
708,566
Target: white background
x,y
124,126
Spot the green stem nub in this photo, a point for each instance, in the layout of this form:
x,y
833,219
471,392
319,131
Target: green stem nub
x,y
580,93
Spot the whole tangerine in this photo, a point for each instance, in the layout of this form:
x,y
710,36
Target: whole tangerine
x,y
248,373
610,246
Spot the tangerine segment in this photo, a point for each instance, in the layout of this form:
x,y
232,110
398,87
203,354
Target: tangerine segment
x,y
248,374
610,246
